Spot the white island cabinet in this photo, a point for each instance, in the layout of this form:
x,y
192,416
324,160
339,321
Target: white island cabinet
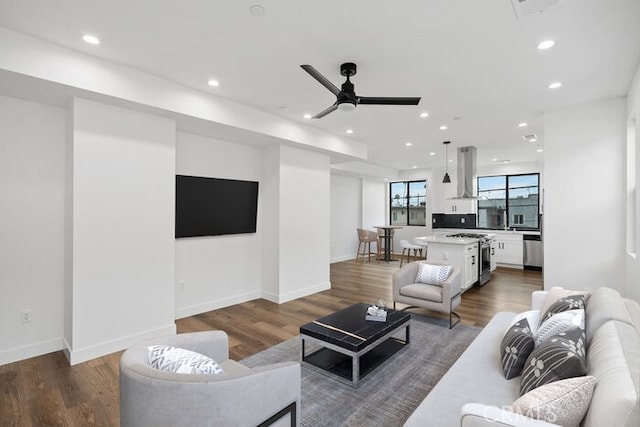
x,y
460,252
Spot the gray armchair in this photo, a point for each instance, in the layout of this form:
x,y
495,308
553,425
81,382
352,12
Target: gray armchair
x,y
240,396
443,298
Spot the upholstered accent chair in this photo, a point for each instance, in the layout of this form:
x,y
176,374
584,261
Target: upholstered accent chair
x,y
444,298
240,396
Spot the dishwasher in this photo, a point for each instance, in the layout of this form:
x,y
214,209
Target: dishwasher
x,y
533,253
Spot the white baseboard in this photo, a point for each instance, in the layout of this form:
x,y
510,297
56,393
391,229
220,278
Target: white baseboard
x,y
299,293
342,258
31,350
76,356
214,305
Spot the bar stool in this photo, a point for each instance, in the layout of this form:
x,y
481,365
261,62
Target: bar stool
x,y
406,246
424,246
365,238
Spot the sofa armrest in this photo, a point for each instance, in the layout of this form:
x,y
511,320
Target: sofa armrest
x,y
537,299
479,415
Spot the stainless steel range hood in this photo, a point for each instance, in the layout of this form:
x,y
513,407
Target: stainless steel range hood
x,y
466,172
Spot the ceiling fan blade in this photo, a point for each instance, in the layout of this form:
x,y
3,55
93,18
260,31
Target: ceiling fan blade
x,y
322,79
321,114
382,100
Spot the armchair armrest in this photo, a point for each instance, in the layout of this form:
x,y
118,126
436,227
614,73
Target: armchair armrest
x,y
479,415
405,276
453,285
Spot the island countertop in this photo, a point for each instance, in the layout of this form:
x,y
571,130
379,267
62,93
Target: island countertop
x,y
447,240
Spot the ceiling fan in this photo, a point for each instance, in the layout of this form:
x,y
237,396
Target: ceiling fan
x,y
346,98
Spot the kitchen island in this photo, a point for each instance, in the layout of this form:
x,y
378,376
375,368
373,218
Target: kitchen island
x,y
462,251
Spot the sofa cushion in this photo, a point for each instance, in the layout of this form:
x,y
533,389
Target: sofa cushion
x,y
603,305
178,360
559,357
559,323
421,291
614,359
571,302
563,402
432,274
515,347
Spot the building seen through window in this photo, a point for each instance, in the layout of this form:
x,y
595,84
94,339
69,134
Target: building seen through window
x,y
509,201
408,200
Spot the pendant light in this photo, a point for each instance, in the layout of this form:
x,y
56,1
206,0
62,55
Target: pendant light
x,y
446,179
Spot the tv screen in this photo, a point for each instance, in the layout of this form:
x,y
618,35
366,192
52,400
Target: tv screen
x,y
213,206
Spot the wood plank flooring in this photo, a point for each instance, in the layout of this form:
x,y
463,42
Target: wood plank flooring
x,y
46,391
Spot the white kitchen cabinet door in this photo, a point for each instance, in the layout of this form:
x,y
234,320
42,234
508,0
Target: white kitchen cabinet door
x,y
494,255
470,266
509,249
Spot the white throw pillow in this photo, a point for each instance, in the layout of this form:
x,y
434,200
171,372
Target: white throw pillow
x,y
564,402
558,323
181,361
432,274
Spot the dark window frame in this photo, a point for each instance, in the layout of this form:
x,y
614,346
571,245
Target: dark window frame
x,y
407,205
510,223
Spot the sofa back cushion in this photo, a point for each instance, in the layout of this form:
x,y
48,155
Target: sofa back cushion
x,y
605,304
613,357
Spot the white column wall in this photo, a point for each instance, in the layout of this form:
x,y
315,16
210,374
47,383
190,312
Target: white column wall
x,y
375,207
585,195
123,221
346,213
32,140
212,271
304,217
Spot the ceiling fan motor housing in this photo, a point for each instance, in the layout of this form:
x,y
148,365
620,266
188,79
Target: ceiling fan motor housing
x,y
348,69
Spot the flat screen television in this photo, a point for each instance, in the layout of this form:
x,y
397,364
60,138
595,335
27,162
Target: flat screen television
x,y
214,206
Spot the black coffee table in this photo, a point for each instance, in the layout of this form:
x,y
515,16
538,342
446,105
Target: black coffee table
x,y
352,347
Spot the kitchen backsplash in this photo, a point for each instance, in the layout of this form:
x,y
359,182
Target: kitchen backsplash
x,y
440,220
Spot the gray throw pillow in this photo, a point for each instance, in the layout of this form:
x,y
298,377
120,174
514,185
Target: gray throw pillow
x,y
515,348
559,357
573,302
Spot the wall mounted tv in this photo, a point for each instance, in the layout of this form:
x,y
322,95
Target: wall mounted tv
x,y
214,206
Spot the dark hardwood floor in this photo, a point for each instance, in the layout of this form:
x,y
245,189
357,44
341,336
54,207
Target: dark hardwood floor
x,y
45,390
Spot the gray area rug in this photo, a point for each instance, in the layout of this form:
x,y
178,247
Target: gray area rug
x,y
388,395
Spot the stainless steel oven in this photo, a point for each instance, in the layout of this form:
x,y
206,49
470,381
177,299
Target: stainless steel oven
x,y
484,266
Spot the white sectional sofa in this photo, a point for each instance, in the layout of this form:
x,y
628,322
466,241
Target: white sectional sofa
x,y
475,393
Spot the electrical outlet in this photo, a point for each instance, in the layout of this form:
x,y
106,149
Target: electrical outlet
x,y
25,316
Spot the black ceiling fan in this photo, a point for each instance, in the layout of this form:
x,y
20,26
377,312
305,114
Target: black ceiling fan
x,y
346,98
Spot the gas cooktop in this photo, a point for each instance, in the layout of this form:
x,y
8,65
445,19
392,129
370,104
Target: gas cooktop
x,y
468,235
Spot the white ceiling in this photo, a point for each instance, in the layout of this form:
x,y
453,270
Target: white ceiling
x,y
468,59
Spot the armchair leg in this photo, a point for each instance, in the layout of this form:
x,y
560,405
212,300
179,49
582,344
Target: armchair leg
x,y
291,409
453,313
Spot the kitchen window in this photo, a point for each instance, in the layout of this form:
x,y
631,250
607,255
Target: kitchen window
x,y
509,201
408,200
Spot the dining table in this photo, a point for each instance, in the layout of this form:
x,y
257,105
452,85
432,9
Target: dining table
x,y
387,240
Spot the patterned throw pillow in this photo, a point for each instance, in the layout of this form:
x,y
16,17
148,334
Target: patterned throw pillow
x,y
181,361
559,323
432,274
557,358
573,302
563,402
515,347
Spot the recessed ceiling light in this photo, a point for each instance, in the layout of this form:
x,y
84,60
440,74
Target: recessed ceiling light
x,y
506,161
88,38
530,138
349,130
546,44
443,127
432,153
555,85
257,10
307,116
450,160
494,160
213,83
522,124
540,150
408,144
424,114
414,167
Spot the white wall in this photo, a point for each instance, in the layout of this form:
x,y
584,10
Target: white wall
x,y
123,219
346,213
305,186
632,289
585,195
375,209
211,271
32,140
